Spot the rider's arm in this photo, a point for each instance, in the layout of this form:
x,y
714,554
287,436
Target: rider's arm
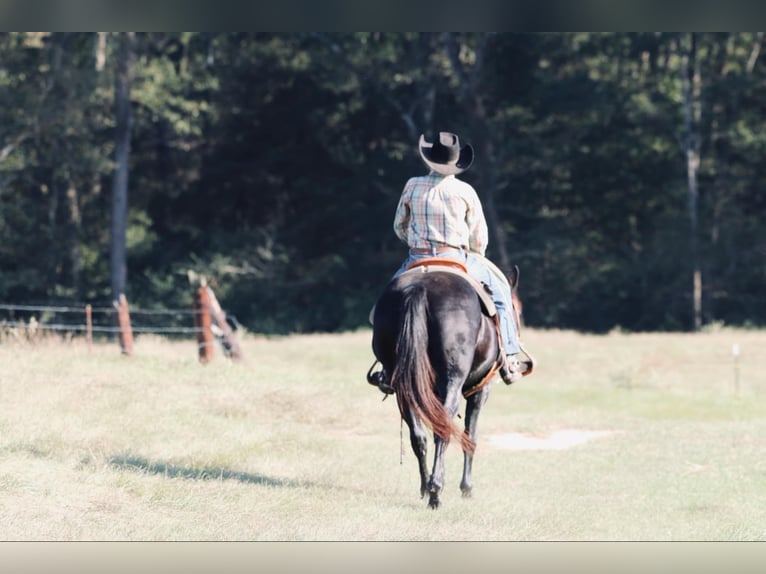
x,y
477,225
402,217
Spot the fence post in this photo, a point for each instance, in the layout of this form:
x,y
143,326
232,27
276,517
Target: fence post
x,y
203,323
123,321
89,326
228,340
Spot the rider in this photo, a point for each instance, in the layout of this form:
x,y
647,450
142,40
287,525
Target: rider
x,y
441,216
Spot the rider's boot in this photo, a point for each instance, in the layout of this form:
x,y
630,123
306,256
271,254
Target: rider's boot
x,y
511,371
514,368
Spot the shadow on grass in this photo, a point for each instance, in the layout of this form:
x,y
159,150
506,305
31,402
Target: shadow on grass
x,y
170,470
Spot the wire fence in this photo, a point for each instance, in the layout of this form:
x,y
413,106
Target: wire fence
x,y
24,317
206,320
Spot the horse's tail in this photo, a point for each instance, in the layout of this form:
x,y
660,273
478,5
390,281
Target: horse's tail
x,y
414,376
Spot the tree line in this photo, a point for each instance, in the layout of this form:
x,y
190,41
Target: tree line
x,y
620,171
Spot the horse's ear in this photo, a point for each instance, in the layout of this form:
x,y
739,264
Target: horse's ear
x,y
513,277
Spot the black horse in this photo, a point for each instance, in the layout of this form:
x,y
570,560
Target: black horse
x,y
436,344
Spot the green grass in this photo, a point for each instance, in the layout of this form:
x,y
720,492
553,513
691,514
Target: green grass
x,y
292,444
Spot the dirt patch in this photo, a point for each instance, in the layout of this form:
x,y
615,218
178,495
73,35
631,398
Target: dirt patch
x,y
555,440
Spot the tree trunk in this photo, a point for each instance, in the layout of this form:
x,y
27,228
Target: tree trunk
x,y
100,51
75,238
691,82
488,179
54,91
473,105
122,156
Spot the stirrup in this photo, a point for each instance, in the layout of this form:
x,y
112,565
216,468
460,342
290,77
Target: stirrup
x,y
380,380
529,364
525,367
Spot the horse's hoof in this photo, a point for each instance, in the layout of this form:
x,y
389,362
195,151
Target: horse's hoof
x,y
434,501
467,493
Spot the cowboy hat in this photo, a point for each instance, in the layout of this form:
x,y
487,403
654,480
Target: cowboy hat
x,y
445,156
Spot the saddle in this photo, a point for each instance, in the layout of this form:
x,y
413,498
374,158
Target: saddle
x,y
485,298
487,305
457,268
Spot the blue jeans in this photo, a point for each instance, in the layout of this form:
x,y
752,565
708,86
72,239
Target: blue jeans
x,y
501,290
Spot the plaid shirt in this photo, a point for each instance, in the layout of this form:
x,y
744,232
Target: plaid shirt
x,y
436,210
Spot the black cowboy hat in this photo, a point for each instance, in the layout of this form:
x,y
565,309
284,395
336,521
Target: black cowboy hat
x,y
445,156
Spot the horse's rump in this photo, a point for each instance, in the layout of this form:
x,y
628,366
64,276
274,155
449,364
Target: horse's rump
x,y
422,323
413,376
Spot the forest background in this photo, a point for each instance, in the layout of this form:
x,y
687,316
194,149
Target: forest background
x,y
622,172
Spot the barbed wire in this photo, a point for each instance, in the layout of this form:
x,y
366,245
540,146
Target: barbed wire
x,y
210,322
98,328
34,325
53,309
42,308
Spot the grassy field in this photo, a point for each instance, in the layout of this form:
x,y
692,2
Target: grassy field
x,y
616,437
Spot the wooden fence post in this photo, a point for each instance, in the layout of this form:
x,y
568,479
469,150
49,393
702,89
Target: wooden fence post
x,y
228,340
89,325
123,321
203,322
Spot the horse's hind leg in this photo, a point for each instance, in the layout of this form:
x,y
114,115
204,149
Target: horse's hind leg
x,y
435,485
472,409
419,443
